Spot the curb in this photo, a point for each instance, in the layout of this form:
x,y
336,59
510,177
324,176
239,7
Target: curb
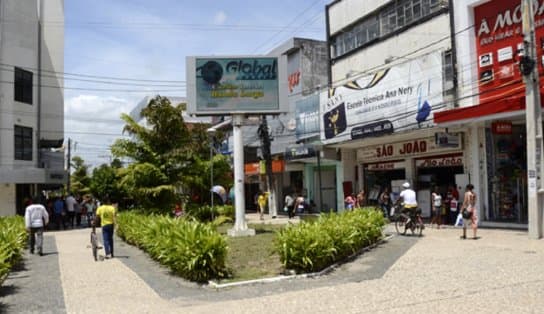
x,y
214,285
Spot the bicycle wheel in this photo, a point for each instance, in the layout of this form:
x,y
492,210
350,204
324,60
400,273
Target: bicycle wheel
x,y
400,224
421,226
95,246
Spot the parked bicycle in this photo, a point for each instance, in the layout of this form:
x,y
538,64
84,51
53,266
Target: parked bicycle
x,y
408,218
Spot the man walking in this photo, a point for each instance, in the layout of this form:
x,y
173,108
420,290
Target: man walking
x,y
70,208
36,218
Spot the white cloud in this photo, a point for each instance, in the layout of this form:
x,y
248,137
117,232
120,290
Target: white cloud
x,y
220,18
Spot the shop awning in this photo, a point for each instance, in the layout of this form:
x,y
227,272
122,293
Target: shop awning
x,y
499,109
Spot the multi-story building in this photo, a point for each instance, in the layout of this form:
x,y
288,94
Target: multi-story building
x,y
31,101
391,71
491,92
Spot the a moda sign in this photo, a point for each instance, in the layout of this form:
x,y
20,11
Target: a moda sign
x,y
232,85
403,149
499,41
449,161
399,98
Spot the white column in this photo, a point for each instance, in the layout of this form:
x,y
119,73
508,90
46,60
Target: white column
x,y
240,225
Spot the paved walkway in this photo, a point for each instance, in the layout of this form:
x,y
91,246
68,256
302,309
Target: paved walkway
x,y
503,272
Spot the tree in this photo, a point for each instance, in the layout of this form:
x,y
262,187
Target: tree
x,y
79,178
167,155
106,180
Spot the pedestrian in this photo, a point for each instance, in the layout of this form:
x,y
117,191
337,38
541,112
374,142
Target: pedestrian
x,y
70,209
78,210
262,199
60,213
436,202
106,216
349,202
88,204
36,218
385,201
469,204
289,204
452,198
360,199
300,204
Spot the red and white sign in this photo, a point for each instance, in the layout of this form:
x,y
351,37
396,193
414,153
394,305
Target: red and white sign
x,y
498,29
450,161
501,127
403,149
384,166
293,80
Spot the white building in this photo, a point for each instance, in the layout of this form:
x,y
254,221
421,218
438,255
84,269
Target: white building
x,y
391,72
31,100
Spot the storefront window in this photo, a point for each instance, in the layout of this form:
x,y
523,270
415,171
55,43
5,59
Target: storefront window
x,y
507,174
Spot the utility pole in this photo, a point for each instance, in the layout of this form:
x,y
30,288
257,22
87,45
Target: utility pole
x,y
267,155
68,165
533,114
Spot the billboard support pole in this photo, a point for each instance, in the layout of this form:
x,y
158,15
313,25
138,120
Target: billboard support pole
x,y
240,226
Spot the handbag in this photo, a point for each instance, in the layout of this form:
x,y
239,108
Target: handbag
x,y
466,214
285,208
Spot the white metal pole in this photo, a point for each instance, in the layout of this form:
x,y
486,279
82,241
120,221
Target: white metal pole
x,y
532,101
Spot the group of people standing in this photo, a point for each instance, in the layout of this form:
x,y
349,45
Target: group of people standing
x,y
68,212
37,217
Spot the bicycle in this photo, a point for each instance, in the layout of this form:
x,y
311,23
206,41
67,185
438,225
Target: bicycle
x,y
412,221
94,241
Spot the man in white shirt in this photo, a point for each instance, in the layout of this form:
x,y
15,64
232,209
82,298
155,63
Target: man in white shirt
x,y
408,196
70,208
36,218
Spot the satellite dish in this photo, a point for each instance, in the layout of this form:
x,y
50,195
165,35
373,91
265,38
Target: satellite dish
x,y
291,125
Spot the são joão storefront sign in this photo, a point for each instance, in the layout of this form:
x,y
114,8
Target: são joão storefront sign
x,y
229,85
402,149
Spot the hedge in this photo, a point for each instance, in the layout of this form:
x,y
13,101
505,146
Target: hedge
x,y
192,250
313,246
13,239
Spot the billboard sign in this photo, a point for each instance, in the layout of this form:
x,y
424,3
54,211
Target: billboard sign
x,y
400,98
307,117
233,85
499,36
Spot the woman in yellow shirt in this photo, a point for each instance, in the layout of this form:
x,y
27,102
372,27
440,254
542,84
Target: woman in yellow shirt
x,y
262,200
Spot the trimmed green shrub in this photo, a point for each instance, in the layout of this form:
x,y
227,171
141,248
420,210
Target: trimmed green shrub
x,y
203,213
312,246
13,239
192,250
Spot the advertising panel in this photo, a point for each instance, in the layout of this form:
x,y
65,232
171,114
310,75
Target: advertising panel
x,y
234,85
400,98
499,42
307,117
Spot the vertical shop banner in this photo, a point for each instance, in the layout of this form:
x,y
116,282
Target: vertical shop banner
x,y
400,98
499,42
228,85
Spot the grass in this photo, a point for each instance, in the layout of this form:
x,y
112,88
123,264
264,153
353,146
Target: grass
x,y
252,257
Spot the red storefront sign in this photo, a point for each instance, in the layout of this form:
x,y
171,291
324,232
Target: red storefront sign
x,y
501,127
499,41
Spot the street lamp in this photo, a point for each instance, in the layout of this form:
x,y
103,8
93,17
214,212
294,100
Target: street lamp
x,y
211,133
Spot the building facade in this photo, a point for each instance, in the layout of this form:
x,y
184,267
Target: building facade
x,y
31,101
391,71
491,94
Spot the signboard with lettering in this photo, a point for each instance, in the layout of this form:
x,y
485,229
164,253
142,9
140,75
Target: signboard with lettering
x,y
234,85
399,98
434,162
498,30
307,116
501,127
299,152
403,149
385,166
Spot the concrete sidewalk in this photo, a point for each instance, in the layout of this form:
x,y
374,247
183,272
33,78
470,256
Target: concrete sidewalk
x,y
503,272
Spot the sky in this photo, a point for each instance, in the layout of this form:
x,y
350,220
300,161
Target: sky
x,y
119,51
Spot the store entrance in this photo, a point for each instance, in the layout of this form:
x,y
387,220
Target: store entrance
x,y
377,181
441,177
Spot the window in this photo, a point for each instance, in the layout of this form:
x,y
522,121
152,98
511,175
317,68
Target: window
x,y
23,143
23,86
447,61
395,16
